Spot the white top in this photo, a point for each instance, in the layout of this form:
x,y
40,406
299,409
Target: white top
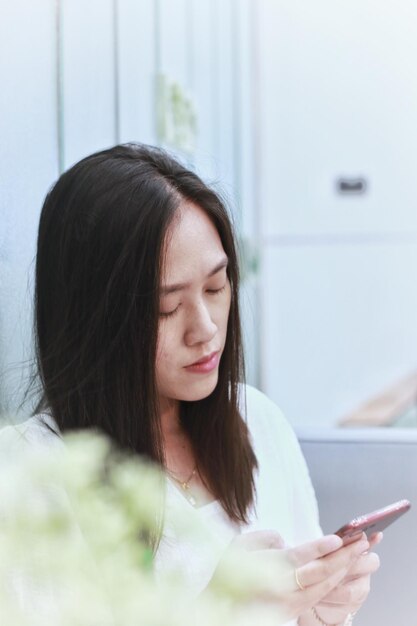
x,y
285,499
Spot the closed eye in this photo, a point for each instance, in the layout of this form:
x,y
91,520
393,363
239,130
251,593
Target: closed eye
x,y
169,313
215,291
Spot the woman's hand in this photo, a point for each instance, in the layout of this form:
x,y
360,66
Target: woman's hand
x,y
320,565
352,591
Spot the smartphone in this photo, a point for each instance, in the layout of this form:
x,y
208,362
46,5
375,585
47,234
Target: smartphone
x,y
374,522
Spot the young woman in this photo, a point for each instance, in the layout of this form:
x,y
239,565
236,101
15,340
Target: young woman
x,y
138,335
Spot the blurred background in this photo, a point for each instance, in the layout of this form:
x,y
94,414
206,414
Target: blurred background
x,y
302,114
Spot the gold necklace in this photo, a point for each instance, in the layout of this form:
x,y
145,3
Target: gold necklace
x,y
185,485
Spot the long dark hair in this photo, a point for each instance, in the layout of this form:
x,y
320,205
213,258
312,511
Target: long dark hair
x,y
98,266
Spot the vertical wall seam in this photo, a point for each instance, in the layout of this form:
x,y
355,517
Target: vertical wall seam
x,y
116,71
236,107
59,86
214,66
190,43
191,70
157,68
256,166
255,121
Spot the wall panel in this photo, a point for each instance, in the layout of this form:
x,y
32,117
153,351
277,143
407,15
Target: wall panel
x,y
338,326
136,40
339,100
226,122
29,164
88,77
204,86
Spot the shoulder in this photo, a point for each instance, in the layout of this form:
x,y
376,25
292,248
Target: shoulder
x,y
273,438
39,430
263,417
258,403
282,471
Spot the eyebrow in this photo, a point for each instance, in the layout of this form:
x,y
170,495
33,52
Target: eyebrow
x,y
167,289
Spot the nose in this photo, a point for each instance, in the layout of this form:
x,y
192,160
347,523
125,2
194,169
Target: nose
x,y
200,327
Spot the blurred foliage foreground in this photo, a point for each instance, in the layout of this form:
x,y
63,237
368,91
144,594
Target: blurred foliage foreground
x,y
73,551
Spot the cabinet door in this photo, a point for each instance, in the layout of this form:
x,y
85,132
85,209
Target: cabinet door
x,y
338,93
203,39
88,96
226,104
244,117
174,72
218,66
29,165
136,70
173,40
339,325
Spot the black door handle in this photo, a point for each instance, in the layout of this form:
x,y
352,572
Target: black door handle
x,y
351,185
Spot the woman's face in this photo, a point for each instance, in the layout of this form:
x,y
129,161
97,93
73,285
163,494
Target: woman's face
x,y
194,308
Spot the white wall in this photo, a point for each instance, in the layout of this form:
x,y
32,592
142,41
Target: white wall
x,y
28,165
87,64
78,76
338,97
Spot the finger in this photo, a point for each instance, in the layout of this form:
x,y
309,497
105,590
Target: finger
x,y
349,594
366,564
260,540
318,570
375,539
314,594
348,539
299,601
314,549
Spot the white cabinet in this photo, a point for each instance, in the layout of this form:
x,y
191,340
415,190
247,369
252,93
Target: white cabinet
x,y
337,100
338,325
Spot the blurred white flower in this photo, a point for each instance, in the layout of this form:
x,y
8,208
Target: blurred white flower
x,y
75,528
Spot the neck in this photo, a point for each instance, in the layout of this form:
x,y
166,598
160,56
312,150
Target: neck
x,y
178,451
170,418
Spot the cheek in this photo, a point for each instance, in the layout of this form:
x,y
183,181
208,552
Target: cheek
x,y
226,307
162,367
166,347
220,315
161,349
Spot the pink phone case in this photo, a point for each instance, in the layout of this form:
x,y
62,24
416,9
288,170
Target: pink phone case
x,y
376,521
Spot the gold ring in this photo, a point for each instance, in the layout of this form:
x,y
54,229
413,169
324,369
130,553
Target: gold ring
x,y
297,580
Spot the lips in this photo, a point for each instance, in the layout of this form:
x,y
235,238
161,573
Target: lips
x,y
206,364
205,359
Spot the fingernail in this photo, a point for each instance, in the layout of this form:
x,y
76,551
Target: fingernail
x,y
332,542
361,546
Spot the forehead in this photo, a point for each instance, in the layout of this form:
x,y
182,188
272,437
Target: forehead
x,y
193,245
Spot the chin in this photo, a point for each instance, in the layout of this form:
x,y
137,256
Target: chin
x,y
199,390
